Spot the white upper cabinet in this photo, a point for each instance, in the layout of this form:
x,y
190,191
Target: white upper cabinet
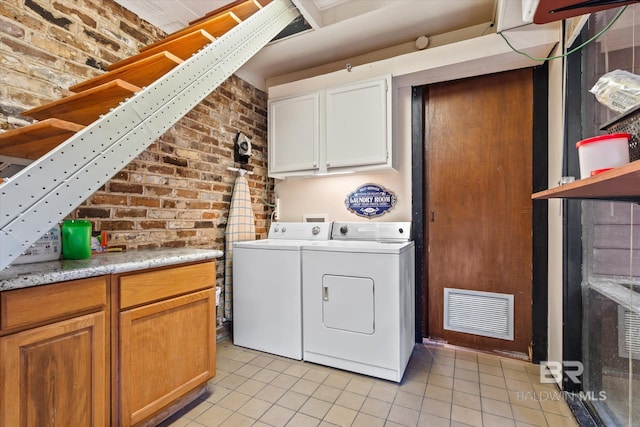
x,y
293,123
337,129
358,123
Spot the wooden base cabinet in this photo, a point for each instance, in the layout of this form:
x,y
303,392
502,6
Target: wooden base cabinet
x,y
166,347
120,350
55,372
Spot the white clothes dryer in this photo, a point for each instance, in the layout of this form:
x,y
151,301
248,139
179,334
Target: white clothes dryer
x,y
359,299
267,288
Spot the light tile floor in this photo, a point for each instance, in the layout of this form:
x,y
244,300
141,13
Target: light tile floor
x,y
441,387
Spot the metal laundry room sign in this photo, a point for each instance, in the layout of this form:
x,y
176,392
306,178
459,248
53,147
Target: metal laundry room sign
x,y
370,201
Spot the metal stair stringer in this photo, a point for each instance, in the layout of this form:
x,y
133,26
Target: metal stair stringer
x,y
47,190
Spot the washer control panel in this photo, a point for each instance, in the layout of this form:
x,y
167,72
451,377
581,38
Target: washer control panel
x,y
300,230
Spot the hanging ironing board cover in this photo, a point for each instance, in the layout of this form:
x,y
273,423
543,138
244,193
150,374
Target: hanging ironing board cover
x,y
240,227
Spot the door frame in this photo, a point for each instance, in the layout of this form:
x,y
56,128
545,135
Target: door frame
x,y
540,209
572,310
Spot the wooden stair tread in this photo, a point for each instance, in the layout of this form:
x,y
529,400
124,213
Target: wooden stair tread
x,y
182,47
216,26
60,119
220,21
247,9
85,107
219,11
241,8
35,140
140,73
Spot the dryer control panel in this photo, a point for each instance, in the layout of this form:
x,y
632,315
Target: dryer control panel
x,y
372,231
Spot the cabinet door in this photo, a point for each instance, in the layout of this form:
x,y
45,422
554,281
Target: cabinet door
x,y
358,123
294,134
56,375
167,349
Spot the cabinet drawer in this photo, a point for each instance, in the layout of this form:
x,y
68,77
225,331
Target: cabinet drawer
x,y
143,288
44,304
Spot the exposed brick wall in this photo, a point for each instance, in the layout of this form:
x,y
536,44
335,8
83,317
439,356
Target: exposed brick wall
x,y
177,192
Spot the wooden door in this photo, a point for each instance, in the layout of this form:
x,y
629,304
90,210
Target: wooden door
x,y
56,375
479,210
167,349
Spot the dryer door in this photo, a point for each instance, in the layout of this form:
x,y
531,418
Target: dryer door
x,y
348,303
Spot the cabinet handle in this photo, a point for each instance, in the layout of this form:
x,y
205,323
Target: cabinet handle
x,y
325,293
433,216
328,164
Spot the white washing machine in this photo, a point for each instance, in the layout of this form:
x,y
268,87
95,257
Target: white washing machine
x,y
358,299
267,294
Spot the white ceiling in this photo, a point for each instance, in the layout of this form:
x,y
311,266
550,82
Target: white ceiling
x,y
342,29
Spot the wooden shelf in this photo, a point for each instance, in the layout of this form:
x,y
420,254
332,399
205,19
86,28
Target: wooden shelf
x,y
182,47
140,73
618,184
34,141
85,107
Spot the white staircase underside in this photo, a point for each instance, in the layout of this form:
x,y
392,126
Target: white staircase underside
x,y
47,190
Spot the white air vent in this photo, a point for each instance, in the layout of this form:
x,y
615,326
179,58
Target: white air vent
x,y
480,313
628,333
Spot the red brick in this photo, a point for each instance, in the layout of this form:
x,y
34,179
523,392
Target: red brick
x,y
188,173
174,244
120,187
86,19
152,190
161,169
152,224
130,213
54,47
117,225
20,48
145,201
85,212
203,224
147,246
220,206
48,15
187,194
102,40
210,215
109,199
198,204
11,29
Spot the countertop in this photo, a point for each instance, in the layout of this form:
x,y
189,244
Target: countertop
x,y
41,273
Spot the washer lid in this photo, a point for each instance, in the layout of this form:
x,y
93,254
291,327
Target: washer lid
x,y
271,244
355,246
